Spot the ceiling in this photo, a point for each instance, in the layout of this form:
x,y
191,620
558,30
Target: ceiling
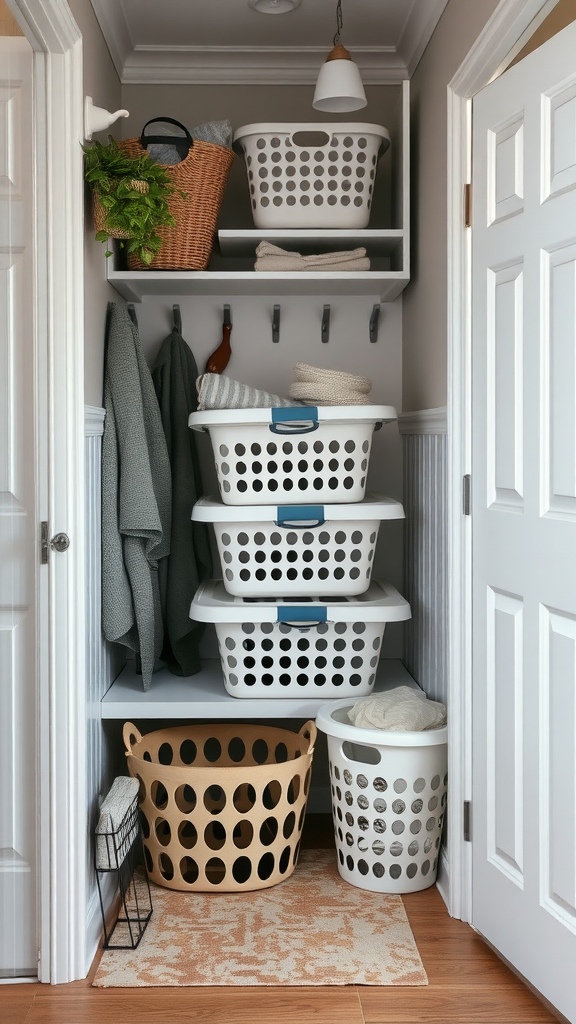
x,y
227,41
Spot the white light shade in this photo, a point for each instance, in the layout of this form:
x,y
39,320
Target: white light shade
x,y
339,87
274,6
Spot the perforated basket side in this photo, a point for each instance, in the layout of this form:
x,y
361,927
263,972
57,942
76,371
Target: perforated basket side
x,y
230,825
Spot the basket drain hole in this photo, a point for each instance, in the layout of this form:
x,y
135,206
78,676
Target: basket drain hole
x,y
185,799
272,794
268,831
187,835
243,835
163,831
214,835
214,799
244,798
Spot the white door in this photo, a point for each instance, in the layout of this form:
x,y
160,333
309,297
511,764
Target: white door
x,y
524,517
18,520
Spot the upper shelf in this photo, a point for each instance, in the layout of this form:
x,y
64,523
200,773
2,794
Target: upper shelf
x,y
133,285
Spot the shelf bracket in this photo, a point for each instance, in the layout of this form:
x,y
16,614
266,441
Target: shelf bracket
x,y
326,325
374,318
276,325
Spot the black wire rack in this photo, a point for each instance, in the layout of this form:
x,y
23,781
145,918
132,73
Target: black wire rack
x,y
121,851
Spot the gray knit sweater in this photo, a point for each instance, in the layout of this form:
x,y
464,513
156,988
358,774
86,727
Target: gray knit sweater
x,y
136,496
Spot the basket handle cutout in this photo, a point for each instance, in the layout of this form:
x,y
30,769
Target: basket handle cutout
x,y
301,617
300,517
293,420
309,732
360,753
131,736
310,140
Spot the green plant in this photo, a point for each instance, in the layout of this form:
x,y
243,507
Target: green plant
x,y
133,194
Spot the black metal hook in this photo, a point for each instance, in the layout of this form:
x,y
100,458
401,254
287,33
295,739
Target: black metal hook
x,y
326,325
227,316
132,313
374,323
177,318
276,325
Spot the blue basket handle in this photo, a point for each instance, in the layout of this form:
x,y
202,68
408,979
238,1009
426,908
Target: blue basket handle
x,y
289,417
299,616
300,517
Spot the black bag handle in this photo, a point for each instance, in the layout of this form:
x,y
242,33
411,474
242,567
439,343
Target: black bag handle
x,y
182,145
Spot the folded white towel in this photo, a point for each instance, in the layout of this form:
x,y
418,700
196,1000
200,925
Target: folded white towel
x,y
271,257
317,386
404,709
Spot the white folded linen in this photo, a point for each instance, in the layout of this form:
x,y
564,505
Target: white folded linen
x,y
271,257
403,709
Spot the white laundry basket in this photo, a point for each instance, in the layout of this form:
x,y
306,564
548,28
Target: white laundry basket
x,y
311,175
297,550
388,801
292,649
307,454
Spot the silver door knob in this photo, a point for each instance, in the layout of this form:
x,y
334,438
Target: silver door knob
x,y
60,542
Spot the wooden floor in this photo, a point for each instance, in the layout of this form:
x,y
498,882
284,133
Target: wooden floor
x,y
468,984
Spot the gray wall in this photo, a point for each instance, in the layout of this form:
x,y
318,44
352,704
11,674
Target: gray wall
x,y
101,82
425,312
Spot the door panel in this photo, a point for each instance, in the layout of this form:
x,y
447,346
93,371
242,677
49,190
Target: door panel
x,y
18,549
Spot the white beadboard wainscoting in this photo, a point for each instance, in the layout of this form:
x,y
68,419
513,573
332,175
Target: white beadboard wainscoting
x,y
103,663
425,548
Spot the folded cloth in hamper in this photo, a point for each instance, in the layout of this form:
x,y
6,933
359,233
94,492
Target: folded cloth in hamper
x,y
271,258
114,809
317,386
215,391
403,709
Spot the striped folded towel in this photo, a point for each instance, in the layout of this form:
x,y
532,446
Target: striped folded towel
x,y
215,391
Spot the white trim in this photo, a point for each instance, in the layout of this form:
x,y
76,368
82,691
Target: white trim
x,y
424,421
416,36
496,45
259,65
94,418
59,318
443,878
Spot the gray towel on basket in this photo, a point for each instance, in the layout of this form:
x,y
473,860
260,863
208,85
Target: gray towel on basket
x,y
189,561
136,496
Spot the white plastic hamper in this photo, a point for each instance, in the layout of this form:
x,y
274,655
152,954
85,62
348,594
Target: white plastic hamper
x,y
326,184
309,648
307,454
295,550
388,801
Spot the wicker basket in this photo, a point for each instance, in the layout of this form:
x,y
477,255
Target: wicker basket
x,y
202,176
223,805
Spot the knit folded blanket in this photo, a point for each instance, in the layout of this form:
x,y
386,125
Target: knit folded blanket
x,y
317,386
270,257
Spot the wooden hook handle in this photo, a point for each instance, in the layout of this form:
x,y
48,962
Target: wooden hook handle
x,y
220,358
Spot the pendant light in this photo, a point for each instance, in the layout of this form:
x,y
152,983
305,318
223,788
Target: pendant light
x,y
339,87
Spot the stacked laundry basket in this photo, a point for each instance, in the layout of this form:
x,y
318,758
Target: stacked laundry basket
x,y
296,612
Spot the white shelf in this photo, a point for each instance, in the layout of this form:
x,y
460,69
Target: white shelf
x,y
133,285
204,696
243,242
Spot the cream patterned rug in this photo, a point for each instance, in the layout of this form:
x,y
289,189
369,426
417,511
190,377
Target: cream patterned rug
x,y
312,929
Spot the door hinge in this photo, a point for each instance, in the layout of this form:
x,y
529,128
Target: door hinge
x,y
44,543
468,205
466,494
467,822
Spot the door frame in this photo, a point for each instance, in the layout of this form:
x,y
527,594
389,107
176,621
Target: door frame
x,y
504,35
58,346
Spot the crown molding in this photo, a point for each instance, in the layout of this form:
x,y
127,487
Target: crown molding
x,y
417,32
252,65
139,64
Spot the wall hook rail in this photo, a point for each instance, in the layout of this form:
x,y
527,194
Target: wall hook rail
x,y
326,325
177,317
374,318
276,325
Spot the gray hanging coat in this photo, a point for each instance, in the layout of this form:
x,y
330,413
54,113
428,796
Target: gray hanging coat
x,y
136,496
190,561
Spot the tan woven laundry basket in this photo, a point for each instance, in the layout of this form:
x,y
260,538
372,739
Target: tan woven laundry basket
x,y
202,176
223,805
